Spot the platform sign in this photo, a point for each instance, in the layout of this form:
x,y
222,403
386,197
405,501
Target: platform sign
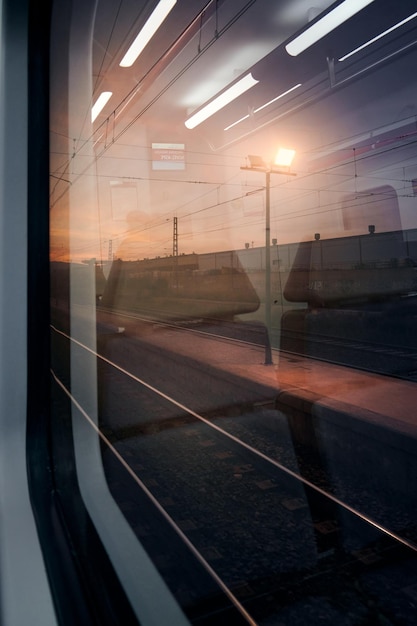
x,y
168,156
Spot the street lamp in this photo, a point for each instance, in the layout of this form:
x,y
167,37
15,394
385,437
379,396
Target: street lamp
x,y
283,160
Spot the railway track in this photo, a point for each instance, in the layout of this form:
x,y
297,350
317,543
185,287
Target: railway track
x,y
230,496
397,361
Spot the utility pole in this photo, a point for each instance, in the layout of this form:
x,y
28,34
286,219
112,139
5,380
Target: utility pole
x,y
175,238
175,252
257,164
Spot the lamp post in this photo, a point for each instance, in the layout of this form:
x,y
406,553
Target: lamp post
x,y
283,159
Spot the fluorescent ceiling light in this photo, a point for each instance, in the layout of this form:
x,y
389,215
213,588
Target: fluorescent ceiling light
x,y
325,25
221,101
263,106
100,103
147,32
386,32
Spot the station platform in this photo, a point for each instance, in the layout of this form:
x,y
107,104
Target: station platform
x,y
358,423
302,381
363,422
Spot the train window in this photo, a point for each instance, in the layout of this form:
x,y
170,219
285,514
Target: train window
x,y
385,209
233,304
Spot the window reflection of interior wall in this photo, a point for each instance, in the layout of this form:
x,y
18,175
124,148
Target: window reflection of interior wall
x,y
123,198
378,206
131,245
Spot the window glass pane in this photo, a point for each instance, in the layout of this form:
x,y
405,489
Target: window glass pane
x,y
235,334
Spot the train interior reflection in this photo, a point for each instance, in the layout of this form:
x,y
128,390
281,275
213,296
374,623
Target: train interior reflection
x,y
234,351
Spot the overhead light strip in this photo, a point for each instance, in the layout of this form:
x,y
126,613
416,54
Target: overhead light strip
x,y
386,32
325,25
233,92
100,103
263,106
242,119
155,20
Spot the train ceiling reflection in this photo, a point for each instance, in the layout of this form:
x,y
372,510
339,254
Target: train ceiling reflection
x,y
219,44
316,103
